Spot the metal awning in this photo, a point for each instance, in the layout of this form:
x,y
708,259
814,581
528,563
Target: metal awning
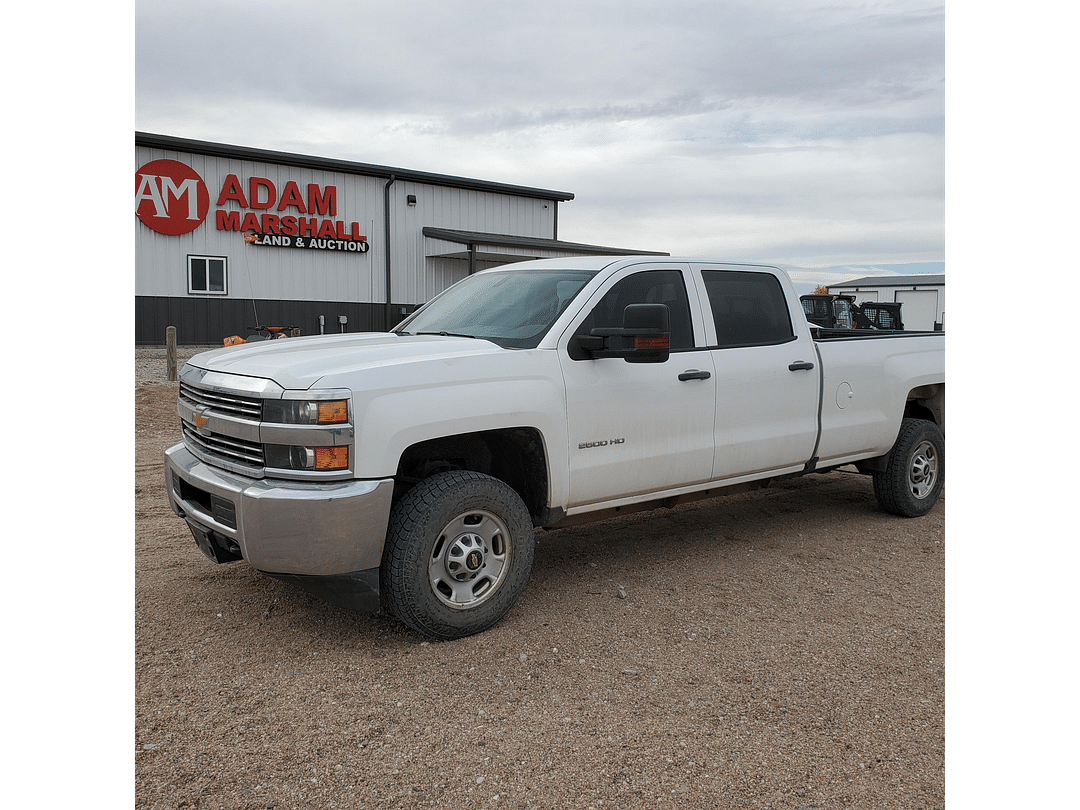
x,y
476,241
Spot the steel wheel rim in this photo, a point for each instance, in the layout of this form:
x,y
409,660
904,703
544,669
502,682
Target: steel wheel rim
x,y
469,559
923,472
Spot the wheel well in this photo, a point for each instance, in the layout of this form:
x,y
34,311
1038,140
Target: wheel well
x,y
513,455
927,402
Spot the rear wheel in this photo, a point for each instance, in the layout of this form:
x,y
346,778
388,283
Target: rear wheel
x,y
458,554
915,471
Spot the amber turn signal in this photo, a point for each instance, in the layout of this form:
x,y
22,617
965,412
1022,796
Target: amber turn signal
x,y
331,458
652,343
333,412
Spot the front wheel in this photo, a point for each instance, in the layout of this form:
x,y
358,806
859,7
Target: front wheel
x,y
458,554
915,471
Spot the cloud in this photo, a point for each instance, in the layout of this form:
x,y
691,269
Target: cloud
x,y
445,57
779,127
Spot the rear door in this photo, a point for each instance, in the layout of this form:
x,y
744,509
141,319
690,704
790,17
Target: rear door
x,y
636,428
767,375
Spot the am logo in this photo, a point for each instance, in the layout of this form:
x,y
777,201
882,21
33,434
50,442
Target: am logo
x,y
170,197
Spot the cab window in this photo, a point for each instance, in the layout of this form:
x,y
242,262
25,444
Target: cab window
x,y
749,309
649,287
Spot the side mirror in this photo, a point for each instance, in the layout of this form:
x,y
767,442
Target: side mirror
x,y
645,336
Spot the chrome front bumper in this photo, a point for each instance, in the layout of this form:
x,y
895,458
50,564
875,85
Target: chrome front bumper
x,y
283,527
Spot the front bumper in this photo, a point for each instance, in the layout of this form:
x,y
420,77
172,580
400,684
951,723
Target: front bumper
x,y
286,528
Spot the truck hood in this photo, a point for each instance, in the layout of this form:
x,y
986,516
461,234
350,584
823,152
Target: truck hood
x,y
299,363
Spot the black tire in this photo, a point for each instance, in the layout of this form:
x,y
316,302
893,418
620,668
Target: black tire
x,y
458,553
915,473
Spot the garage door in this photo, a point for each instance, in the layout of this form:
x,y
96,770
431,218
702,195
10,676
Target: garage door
x,y
920,309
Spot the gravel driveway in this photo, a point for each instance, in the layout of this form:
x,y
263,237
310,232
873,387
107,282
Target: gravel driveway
x,y
780,649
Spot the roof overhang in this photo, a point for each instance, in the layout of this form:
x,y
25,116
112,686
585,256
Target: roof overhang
x,y
478,241
223,150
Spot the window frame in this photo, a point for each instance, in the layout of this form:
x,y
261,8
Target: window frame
x,y
191,258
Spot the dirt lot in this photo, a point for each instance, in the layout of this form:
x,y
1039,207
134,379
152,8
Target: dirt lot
x,y
781,649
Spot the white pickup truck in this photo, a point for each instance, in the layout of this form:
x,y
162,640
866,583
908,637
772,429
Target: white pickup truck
x,y
409,470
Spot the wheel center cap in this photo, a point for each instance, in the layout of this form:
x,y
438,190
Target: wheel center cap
x,y
474,559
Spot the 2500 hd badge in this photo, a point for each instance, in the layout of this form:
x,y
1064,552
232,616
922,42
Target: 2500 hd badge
x,y
602,443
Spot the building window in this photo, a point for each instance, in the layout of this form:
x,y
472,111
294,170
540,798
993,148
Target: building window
x,y
207,275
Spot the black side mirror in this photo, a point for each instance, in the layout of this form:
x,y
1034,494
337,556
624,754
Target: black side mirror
x,y
645,334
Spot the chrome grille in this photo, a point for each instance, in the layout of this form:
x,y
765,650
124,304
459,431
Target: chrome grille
x,y
224,447
233,404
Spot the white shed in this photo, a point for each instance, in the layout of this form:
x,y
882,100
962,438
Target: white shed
x,y
922,296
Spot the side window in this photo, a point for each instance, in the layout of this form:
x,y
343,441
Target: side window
x,y
207,274
648,287
749,308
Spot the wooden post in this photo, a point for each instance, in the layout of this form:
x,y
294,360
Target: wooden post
x,y
170,354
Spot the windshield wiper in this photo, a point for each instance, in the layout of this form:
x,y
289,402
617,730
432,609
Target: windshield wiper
x,y
446,334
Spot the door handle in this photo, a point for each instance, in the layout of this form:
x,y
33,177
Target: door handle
x,y
694,374
801,365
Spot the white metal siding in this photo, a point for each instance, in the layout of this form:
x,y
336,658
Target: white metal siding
x,y
303,275
418,273
265,272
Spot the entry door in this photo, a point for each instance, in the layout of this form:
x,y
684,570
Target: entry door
x,y
767,379
637,428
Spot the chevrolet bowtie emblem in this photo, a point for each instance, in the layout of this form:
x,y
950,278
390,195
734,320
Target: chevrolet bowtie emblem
x,y
200,421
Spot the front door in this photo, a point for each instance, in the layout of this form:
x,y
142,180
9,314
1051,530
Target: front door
x,y
636,428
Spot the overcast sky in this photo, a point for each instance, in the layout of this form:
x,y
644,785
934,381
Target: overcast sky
x,y
785,131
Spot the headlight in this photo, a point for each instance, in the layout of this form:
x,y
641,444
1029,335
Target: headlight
x,y
300,412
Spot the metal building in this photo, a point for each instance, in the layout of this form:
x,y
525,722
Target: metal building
x,y
923,297
230,237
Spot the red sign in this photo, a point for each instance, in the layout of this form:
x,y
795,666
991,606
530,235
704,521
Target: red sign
x,y
170,197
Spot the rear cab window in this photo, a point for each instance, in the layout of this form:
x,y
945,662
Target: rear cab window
x,y
748,308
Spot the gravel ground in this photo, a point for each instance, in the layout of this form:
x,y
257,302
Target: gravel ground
x,y
780,649
151,362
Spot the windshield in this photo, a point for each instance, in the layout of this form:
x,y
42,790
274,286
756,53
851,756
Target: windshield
x,y
511,308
